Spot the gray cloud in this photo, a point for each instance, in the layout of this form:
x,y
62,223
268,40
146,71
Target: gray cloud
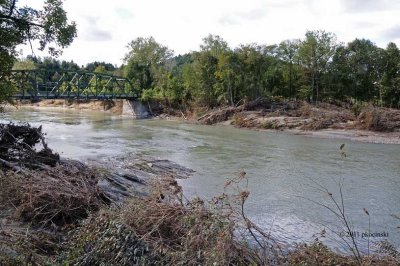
x,y
391,33
93,32
96,35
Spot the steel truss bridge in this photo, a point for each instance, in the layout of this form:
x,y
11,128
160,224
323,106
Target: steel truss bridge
x,y
69,84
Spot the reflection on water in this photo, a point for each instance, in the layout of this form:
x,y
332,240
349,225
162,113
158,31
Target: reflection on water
x,y
282,168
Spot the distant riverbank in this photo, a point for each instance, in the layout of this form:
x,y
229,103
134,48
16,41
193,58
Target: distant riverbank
x,y
369,124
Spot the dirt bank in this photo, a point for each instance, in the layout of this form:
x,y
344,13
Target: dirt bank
x,y
367,124
112,106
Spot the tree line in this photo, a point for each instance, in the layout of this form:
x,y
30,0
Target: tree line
x,y
315,68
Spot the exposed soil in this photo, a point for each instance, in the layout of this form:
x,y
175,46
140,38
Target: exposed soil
x,y
113,106
372,124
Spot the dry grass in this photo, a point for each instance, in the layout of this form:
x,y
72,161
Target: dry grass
x,y
161,230
184,233
54,197
10,191
323,115
239,120
379,119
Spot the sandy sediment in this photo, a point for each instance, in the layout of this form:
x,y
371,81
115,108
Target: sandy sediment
x,y
112,106
371,124
353,135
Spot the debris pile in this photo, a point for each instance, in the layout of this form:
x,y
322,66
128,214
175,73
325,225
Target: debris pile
x,y
17,147
379,119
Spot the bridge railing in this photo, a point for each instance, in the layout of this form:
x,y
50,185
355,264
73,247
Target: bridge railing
x,y
60,84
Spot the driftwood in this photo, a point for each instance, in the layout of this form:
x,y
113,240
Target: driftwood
x,y
17,148
219,115
224,113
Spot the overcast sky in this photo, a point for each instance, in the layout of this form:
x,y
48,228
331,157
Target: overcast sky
x,y
105,27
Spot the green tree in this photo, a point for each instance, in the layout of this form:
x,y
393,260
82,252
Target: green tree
x,y
201,79
100,69
228,73
253,67
288,52
391,79
366,66
93,65
204,79
214,44
339,80
315,52
18,25
144,61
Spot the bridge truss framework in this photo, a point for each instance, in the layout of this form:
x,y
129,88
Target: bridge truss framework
x,y
69,84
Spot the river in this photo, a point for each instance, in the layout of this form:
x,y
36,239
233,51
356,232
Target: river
x,y
284,170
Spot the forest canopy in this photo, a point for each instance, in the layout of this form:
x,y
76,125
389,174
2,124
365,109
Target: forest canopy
x,y
315,68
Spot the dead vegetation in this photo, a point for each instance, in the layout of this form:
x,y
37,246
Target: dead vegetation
x,y
278,115
17,147
162,229
165,229
217,116
40,195
43,190
59,196
378,119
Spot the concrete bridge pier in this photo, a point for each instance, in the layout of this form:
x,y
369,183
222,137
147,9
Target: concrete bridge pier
x,y
136,109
